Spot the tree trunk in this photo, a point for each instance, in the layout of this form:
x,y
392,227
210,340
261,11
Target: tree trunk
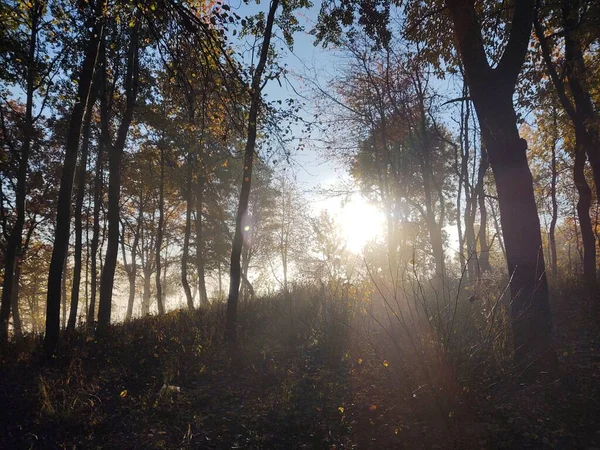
x,y
17,326
551,236
492,93
63,216
200,242
576,73
579,113
146,293
78,208
236,249
114,183
585,222
132,271
159,232
186,238
484,249
63,293
98,188
529,312
16,234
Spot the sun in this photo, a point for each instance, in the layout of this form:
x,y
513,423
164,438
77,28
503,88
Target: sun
x,y
359,222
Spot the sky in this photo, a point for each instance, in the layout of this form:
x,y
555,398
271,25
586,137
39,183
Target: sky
x,y
315,172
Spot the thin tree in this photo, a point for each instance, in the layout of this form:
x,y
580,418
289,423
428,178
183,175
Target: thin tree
x,y
236,250
115,153
63,216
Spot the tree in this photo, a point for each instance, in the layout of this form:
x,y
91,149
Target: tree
x,y
25,65
95,23
115,152
236,250
492,91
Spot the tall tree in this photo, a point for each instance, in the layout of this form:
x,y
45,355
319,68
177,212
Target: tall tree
x,y
492,92
77,215
26,47
115,152
236,250
95,24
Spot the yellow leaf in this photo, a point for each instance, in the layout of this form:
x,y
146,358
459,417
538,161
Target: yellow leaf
x,y
341,409
123,393
385,363
360,360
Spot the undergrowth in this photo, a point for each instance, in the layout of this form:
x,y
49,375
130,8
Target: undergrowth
x,y
329,366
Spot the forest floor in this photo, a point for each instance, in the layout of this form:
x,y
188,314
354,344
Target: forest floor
x,y
109,394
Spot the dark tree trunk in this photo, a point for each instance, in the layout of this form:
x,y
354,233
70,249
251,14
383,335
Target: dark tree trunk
x,y
115,153
63,293
552,234
17,326
16,234
236,249
585,222
98,188
492,92
132,269
63,216
78,208
186,237
146,293
576,73
159,232
200,242
580,114
484,249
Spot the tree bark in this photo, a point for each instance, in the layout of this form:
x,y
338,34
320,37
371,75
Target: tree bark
x,y
63,216
159,231
579,113
17,325
16,234
552,234
132,269
492,91
78,208
115,153
98,188
200,242
186,237
484,249
585,222
236,249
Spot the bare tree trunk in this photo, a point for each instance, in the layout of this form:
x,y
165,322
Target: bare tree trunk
x,y
17,325
63,216
236,249
579,113
114,185
63,293
186,237
146,293
492,93
484,249
98,188
78,207
552,234
159,231
200,242
16,234
132,269
585,222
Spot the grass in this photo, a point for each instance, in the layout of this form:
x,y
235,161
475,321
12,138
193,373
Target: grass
x,y
304,378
